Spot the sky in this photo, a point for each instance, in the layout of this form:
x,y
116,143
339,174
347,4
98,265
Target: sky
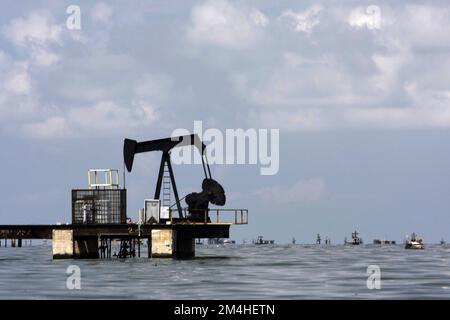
x,y
359,91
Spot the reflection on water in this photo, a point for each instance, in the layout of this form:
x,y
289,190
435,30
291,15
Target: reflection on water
x,y
233,272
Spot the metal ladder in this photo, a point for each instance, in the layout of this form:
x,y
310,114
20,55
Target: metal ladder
x,y
166,187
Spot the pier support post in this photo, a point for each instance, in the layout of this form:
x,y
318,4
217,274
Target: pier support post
x,y
62,244
169,243
149,246
185,246
19,243
162,243
86,248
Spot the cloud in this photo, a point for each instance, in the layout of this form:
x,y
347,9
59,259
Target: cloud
x,y
102,118
218,22
101,12
35,34
36,28
303,21
44,57
299,82
17,81
365,17
76,98
259,18
389,67
305,191
156,87
395,77
53,127
424,26
17,96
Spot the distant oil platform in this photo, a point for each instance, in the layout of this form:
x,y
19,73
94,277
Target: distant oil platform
x,y
260,240
383,242
319,240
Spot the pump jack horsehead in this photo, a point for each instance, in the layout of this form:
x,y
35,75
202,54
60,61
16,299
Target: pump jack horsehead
x,y
198,202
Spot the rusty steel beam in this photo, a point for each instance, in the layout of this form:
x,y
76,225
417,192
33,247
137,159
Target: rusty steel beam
x,y
45,231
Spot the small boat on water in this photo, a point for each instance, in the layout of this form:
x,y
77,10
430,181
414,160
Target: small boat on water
x,y
356,239
414,242
260,240
220,241
228,241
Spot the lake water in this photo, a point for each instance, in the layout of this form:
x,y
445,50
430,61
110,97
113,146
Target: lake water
x,y
233,272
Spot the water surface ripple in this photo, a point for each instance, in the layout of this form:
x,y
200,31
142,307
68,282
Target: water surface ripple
x,y
233,272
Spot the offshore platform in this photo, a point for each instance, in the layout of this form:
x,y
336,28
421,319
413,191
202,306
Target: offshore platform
x,y
99,213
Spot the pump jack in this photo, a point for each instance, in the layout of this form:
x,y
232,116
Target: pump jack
x,y
212,191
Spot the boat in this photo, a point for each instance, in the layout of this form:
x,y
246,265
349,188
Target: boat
x,y
260,240
228,241
356,239
414,242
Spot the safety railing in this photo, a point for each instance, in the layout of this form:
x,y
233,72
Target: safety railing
x,y
110,181
210,216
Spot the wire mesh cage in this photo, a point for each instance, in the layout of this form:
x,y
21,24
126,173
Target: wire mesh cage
x,y
99,206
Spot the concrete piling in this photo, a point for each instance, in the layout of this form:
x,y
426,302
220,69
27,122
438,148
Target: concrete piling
x,y
62,244
169,243
163,243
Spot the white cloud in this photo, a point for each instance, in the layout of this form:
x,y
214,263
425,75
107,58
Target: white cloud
x,y
298,82
307,191
35,28
396,77
35,34
17,80
424,26
259,18
154,87
307,119
365,17
404,27
400,118
53,127
389,67
101,12
102,118
17,97
218,22
303,21
107,116
43,57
